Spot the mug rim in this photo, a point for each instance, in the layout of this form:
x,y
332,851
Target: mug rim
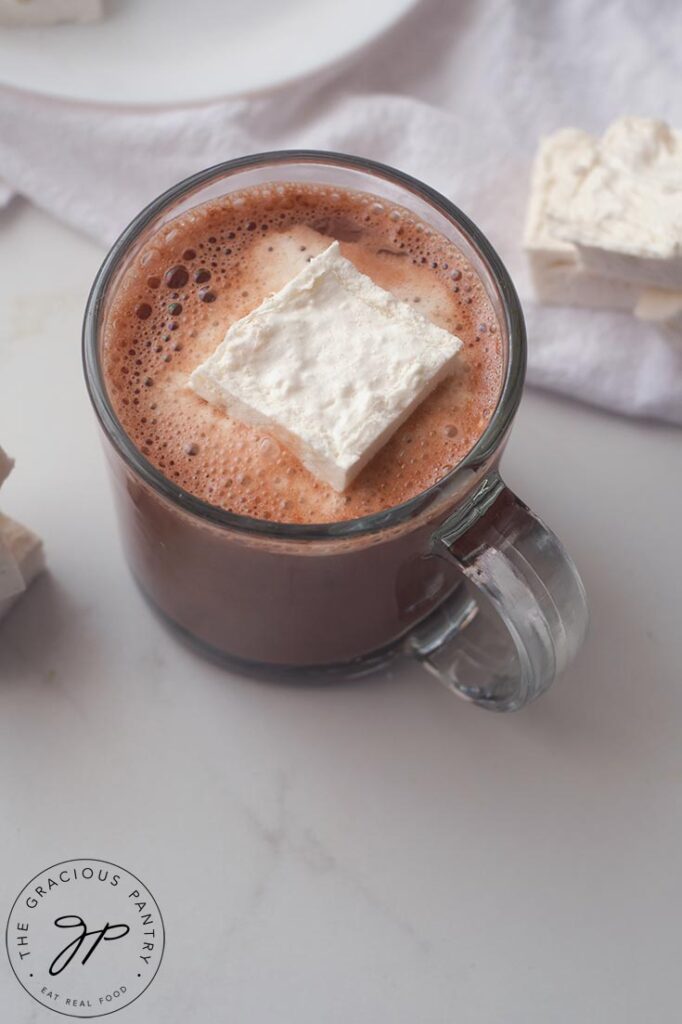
x,y
484,448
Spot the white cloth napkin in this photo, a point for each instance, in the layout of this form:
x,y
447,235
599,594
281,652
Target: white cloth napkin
x,y
458,94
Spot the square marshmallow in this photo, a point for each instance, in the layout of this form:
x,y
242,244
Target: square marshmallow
x,y
624,215
21,560
568,183
21,551
331,365
559,278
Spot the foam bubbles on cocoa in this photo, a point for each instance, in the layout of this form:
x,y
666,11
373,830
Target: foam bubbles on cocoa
x,y
214,264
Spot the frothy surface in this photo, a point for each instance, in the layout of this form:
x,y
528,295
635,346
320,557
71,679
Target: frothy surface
x,y
214,264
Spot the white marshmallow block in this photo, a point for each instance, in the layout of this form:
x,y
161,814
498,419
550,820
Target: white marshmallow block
x,y
559,277
22,552
330,365
624,211
11,578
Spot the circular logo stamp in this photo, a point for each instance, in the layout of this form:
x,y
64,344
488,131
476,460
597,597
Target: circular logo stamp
x,y
85,937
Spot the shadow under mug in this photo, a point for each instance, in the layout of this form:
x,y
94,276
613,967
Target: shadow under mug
x,y
462,577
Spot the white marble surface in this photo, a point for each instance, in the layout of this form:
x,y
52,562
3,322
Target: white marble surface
x,y
366,852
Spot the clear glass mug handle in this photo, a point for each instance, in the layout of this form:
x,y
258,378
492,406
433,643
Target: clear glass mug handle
x,y
521,613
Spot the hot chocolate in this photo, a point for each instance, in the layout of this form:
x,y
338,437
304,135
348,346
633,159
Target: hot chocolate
x,y
212,265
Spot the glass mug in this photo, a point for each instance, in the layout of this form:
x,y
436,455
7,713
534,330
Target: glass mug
x,y
462,577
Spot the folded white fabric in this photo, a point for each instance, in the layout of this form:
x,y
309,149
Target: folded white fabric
x,y
457,95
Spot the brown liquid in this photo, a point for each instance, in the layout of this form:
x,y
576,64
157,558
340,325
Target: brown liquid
x,y
211,266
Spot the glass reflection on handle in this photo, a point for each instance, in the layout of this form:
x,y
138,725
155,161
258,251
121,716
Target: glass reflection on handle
x,y
520,615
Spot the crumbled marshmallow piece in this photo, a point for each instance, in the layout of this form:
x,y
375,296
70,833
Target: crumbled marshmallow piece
x,y
330,365
21,551
624,212
25,550
11,578
48,12
558,276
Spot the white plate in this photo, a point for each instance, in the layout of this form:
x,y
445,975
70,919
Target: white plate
x,y
154,52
